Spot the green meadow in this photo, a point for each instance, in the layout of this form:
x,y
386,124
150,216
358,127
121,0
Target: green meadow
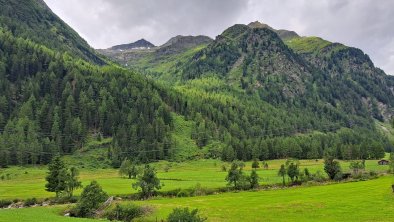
x,y
370,200
28,182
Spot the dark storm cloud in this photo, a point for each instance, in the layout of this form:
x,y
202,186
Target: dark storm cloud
x,y
366,24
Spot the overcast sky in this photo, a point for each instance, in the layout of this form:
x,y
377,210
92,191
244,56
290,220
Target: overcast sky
x,y
365,24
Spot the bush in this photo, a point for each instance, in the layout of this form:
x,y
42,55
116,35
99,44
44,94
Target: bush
x,y
125,212
318,177
184,215
65,200
5,203
183,193
30,202
92,197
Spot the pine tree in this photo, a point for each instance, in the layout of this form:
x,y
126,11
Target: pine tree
x,y
254,179
57,177
148,182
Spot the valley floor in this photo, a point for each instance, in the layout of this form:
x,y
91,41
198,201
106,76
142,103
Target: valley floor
x,y
371,200
29,182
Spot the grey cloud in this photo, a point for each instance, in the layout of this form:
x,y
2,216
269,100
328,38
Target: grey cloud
x,y
365,24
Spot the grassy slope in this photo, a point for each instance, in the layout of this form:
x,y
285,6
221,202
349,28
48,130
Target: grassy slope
x,y
308,44
165,65
184,175
185,147
38,214
360,201
386,129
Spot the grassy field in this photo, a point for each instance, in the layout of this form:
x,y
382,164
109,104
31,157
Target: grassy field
x,y
370,200
29,182
37,214
356,201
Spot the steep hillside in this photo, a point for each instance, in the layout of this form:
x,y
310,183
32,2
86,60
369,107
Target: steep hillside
x,y
250,83
33,19
140,44
159,59
54,98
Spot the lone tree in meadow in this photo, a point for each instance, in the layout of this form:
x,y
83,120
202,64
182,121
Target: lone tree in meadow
x,y
72,182
57,177
92,197
148,182
293,170
129,169
254,180
60,179
332,167
234,174
255,164
282,173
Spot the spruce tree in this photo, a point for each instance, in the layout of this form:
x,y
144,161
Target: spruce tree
x,y
57,177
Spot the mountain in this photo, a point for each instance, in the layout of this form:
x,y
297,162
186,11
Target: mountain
x,y
247,94
302,83
140,44
283,34
34,20
179,43
142,59
55,95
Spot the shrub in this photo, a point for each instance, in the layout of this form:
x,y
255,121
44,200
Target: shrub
x,y
125,212
66,199
183,193
179,214
5,203
91,198
318,176
30,202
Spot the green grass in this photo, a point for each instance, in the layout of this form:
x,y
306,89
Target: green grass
x,y
27,182
308,44
386,129
37,214
182,137
356,201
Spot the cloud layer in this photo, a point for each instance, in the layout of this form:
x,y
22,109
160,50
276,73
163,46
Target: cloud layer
x,y
365,24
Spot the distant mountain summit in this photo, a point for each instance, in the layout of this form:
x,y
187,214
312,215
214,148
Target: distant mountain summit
x,y
140,44
180,43
283,34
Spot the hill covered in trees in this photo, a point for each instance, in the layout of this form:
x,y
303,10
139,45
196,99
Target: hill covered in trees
x,y
271,93
247,94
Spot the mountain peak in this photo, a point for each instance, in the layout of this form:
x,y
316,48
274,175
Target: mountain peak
x,y
257,24
140,44
283,34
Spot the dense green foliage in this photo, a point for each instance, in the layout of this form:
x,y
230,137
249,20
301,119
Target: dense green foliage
x,y
148,182
332,167
91,199
124,212
50,104
185,215
60,179
35,21
247,94
57,176
255,95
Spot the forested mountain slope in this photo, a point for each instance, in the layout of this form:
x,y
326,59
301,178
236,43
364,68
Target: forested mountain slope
x,y
244,95
53,96
35,21
261,90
